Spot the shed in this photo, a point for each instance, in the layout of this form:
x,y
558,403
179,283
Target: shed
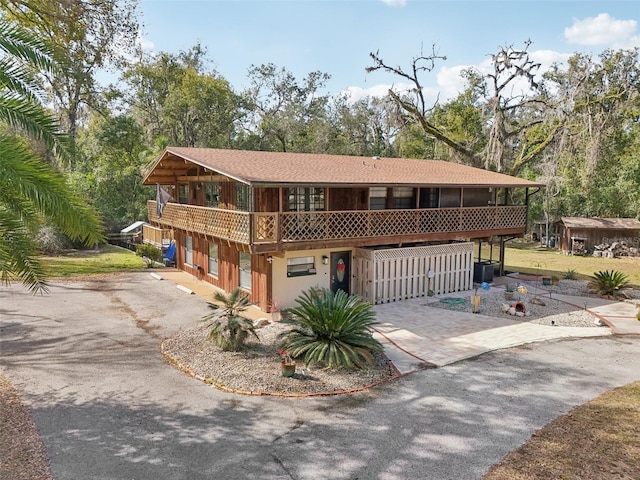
x,y
579,235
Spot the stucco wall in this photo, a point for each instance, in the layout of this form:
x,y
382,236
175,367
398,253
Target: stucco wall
x,y
286,289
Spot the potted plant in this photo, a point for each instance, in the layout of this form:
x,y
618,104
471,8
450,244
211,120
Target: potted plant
x,y
509,289
288,364
275,311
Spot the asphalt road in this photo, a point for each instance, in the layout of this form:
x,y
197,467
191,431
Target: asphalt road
x,y
87,360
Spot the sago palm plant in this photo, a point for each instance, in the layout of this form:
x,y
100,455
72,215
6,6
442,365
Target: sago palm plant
x,y
609,283
332,329
230,330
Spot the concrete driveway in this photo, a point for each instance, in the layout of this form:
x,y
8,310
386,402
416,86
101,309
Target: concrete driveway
x,y
87,361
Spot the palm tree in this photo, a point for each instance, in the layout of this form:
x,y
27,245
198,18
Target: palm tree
x,y
229,329
31,191
332,329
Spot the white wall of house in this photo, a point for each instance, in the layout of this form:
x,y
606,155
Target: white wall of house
x,y
287,288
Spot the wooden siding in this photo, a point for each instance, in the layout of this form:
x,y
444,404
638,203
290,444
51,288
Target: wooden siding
x,y
348,198
266,199
593,237
390,275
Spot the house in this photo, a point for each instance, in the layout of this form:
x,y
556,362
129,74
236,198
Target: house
x,y
580,235
278,223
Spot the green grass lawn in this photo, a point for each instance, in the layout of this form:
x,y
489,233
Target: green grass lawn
x,y
107,259
550,262
528,258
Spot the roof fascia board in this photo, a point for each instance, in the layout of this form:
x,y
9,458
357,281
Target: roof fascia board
x,y
206,167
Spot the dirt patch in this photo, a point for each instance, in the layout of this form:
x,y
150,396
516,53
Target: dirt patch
x,y
22,453
599,440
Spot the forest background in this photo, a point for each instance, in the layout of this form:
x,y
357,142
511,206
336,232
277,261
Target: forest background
x,y
575,127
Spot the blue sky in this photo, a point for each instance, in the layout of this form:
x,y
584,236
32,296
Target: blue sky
x,y
336,37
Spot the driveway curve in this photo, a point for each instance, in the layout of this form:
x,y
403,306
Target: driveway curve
x,y
87,361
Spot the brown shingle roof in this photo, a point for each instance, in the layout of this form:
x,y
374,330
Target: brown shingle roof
x,y
263,168
601,223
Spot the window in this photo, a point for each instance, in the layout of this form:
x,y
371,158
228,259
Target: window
x,y
244,197
211,195
303,199
245,270
477,197
450,197
403,197
377,198
429,197
213,259
188,250
183,193
299,266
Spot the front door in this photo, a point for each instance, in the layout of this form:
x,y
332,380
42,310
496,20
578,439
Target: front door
x,y
341,271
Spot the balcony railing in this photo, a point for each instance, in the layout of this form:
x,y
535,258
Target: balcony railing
x,y
276,227
228,224
160,237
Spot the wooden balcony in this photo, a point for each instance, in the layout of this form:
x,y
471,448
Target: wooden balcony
x,y
339,226
227,224
159,237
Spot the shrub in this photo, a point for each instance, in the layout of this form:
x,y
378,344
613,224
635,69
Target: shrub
x,y
332,329
229,330
610,283
571,274
152,253
51,241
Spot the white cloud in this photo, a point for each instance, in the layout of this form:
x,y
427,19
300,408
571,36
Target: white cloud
x,y
548,57
446,83
603,30
449,82
395,3
380,90
145,44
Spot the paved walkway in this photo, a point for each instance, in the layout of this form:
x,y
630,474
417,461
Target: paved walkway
x,y
416,336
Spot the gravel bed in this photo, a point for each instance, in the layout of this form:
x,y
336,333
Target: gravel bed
x,y
580,288
553,312
257,367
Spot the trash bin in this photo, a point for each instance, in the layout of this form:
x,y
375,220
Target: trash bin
x,y
483,272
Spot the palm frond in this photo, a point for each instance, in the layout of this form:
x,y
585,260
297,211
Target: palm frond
x,y
332,330
22,44
32,119
28,181
18,254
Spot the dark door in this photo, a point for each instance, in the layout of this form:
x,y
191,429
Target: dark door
x,y
341,271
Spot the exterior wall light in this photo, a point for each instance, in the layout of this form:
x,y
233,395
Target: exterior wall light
x,y
325,260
